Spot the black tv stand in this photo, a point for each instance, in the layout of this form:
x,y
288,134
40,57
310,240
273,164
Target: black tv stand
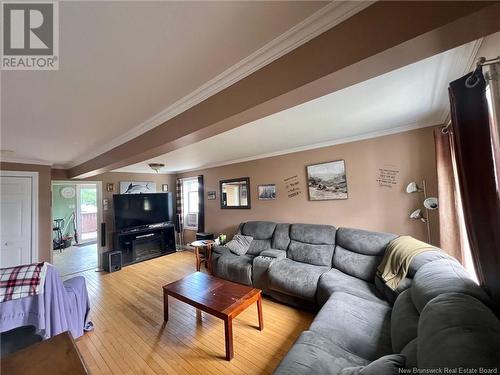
x,y
149,241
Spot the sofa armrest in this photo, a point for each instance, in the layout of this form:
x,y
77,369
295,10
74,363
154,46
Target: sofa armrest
x,y
273,253
220,249
262,263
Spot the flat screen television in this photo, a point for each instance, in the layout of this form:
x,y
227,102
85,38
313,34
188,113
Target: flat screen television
x,y
135,210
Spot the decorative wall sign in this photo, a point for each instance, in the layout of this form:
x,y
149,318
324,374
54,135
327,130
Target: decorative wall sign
x,y
136,187
110,187
292,186
388,176
266,192
212,195
164,187
327,181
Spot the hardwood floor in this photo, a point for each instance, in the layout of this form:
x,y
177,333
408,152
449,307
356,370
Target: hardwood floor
x,y
75,259
130,337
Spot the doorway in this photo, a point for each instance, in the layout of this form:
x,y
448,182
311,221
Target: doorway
x,y
76,216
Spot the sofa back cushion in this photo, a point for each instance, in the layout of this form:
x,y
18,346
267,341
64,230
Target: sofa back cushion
x,y
359,252
443,276
312,244
445,280
281,237
458,329
262,233
404,322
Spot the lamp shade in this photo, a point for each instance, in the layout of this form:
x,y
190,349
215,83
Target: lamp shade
x,y
431,203
412,187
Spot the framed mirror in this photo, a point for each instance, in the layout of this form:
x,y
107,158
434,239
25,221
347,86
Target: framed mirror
x,y
235,193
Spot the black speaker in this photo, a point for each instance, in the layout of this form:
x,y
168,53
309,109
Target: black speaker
x,y
112,261
103,234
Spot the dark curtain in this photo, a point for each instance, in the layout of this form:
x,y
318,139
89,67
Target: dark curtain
x,y
473,151
449,199
178,206
201,204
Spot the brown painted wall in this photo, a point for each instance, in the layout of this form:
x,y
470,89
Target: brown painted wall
x,y
44,204
368,206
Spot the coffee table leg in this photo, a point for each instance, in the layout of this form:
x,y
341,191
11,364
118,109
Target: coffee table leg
x,y
259,311
228,331
165,306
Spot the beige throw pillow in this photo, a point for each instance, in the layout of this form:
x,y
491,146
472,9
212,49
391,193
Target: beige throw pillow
x,y
240,244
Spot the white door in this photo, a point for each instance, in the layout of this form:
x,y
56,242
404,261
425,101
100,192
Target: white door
x,y
16,221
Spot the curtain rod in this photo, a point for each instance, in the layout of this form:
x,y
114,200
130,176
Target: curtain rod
x,y
482,61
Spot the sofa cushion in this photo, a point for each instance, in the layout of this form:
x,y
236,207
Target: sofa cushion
x,y
313,353
386,365
404,321
318,255
259,230
417,262
358,265
443,276
240,244
281,237
410,352
359,252
237,268
364,241
295,278
357,325
458,330
312,244
314,234
337,281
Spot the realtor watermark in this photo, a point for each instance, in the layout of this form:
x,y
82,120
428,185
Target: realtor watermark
x,y
450,370
30,35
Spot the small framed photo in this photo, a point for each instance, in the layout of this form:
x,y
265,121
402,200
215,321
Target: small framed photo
x,y
211,195
164,187
110,187
267,192
327,181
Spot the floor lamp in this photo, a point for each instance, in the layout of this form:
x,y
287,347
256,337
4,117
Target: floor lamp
x,y
429,203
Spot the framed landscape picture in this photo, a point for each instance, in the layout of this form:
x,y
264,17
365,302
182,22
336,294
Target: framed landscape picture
x,y
327,181
267,192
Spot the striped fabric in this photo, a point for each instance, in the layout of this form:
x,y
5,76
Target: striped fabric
x,y
178,206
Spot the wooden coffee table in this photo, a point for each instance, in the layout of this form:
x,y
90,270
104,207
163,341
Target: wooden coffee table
x,y
220,298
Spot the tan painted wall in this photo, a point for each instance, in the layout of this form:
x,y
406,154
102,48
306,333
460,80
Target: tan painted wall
x,y
115,178
368,206
44,204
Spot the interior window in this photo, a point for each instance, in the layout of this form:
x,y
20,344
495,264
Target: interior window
x,y
190,203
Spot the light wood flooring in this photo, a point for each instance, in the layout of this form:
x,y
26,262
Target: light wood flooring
x,y
75,259
130,337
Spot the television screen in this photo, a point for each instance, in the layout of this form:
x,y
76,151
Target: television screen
x,y
134,210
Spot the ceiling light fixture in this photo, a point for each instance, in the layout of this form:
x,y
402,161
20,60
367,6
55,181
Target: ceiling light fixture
x,y
156,166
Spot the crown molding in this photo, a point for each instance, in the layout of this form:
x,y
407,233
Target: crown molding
x,y
316,24
356,138
21,160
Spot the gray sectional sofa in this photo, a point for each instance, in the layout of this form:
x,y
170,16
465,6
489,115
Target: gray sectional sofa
x,y
438,318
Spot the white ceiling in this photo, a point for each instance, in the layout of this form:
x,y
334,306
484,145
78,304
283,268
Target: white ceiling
x,y
412,97
122,63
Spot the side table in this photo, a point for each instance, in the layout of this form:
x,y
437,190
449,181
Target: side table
x,y
203,253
